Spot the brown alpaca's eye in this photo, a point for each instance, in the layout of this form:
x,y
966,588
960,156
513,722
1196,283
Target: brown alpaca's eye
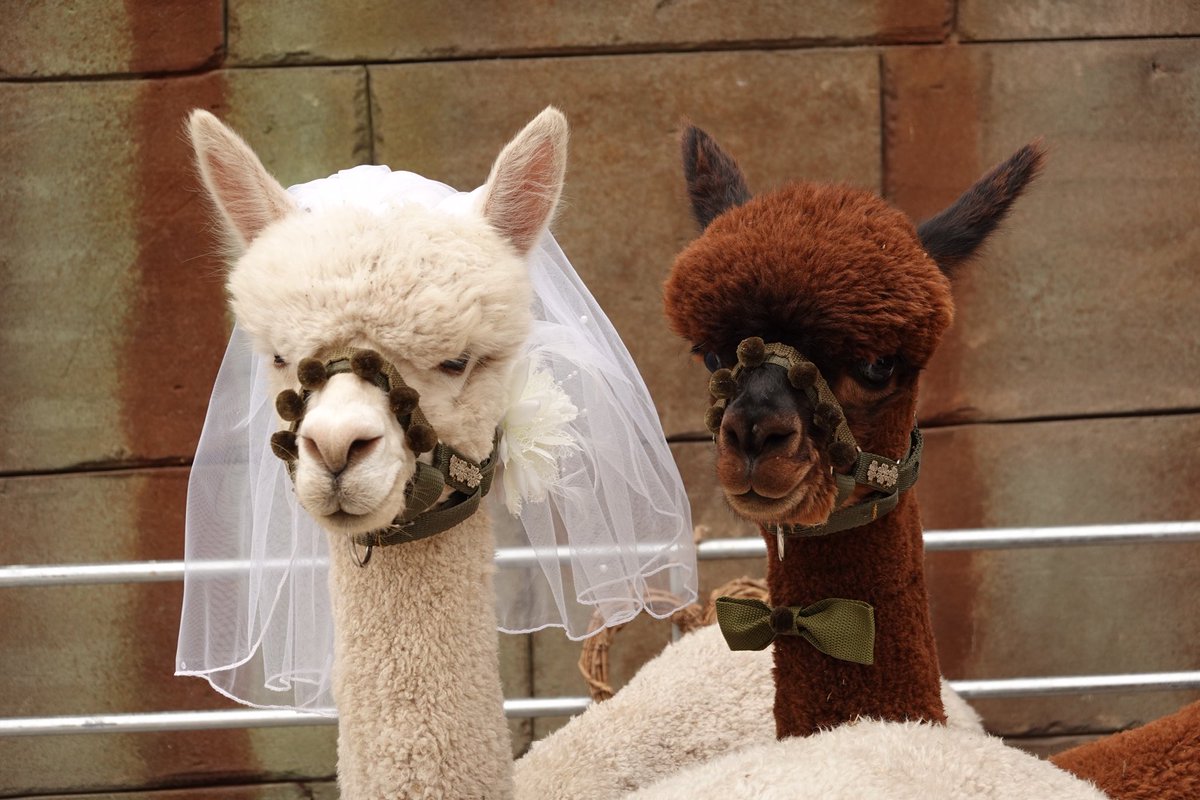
x,y
876,373
712,361
279,362
455,366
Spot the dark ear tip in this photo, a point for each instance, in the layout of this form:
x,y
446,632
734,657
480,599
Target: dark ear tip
x,y
694,134
1029,160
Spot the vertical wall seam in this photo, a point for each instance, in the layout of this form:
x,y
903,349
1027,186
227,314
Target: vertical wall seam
x,y
884,185
370,115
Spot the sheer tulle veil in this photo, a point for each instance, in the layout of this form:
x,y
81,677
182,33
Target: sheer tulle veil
x,y
591,521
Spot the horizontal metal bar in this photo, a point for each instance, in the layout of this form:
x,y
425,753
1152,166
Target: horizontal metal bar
x,y
163,721
998,538
712,549
527,707
1063,536
1078,684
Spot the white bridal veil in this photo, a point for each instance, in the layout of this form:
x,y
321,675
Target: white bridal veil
x,y
591,520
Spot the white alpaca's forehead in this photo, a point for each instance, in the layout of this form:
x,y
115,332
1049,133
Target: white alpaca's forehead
x,y
419,283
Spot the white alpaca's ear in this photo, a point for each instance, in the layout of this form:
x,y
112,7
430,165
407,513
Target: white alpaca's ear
x,y
248,198
527,180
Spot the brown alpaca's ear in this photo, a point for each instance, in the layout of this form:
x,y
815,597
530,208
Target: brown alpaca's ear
x,y
954,235
245,194
714,182
527,180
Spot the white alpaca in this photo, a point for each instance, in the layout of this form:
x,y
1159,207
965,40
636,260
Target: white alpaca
x,y
872,760
693,703
445,299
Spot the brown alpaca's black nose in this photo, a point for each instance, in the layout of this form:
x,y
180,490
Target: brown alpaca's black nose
x,y
763,419
758,432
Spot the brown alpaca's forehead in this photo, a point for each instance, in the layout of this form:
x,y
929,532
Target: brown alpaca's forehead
x,y
835,266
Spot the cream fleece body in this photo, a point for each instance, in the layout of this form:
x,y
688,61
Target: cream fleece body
x,y
871,760
695,702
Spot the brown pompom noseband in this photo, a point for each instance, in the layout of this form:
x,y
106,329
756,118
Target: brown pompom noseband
x,y
852,467
423,515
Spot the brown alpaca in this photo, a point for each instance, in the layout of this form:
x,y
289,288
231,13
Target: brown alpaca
x,y
1158,761
849,283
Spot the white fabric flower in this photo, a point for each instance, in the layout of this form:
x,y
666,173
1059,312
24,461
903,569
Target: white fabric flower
x,y
534,434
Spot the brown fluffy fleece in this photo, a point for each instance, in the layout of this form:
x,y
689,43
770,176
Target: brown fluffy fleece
x,y
847,280
866,286
1158,761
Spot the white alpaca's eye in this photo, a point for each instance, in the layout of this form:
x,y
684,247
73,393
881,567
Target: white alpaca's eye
x,y
455,366
279,362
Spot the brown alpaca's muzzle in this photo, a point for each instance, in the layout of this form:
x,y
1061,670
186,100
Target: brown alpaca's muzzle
x,y
423,515
852,467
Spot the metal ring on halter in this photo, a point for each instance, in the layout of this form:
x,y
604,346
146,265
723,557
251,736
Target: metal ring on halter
x,y
363,560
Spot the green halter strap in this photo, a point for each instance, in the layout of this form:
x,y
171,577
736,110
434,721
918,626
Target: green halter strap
x,y
423,516
887,477
421,519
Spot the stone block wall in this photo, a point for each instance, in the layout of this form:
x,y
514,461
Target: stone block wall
x,y
1066,392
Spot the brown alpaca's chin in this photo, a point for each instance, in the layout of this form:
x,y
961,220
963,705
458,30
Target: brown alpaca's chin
x,y
799,493
806,505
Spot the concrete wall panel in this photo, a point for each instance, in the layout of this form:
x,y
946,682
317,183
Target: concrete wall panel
x,y
63,38
1048,19
1081,303
310,32
112,300
626,214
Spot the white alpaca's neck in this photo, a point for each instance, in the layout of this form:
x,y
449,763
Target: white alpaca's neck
x,y
416,675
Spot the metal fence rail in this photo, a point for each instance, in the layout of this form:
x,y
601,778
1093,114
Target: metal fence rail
x,y
996,538
520,708
714,549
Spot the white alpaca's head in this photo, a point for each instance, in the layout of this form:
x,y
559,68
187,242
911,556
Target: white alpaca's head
x,y
444,296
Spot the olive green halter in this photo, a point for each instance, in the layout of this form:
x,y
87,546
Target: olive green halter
x,y
423,515
840,628
887,477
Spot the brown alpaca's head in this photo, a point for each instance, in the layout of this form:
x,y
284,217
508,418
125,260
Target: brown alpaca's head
x,y
846,280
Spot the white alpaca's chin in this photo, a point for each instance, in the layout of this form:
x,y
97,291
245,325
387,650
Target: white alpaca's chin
x,y
366,498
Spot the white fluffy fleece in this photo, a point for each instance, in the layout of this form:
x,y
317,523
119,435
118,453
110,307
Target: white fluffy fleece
x,y
694,702
416,673
417,685
871,760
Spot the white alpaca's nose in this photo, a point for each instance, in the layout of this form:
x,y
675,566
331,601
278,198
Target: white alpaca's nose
x,y
338,445
340,431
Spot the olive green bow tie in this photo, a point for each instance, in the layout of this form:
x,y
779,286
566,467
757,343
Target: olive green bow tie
x,y
844,629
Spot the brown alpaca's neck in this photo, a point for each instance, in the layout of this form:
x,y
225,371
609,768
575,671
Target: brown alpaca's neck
x,y
881,564
416,674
